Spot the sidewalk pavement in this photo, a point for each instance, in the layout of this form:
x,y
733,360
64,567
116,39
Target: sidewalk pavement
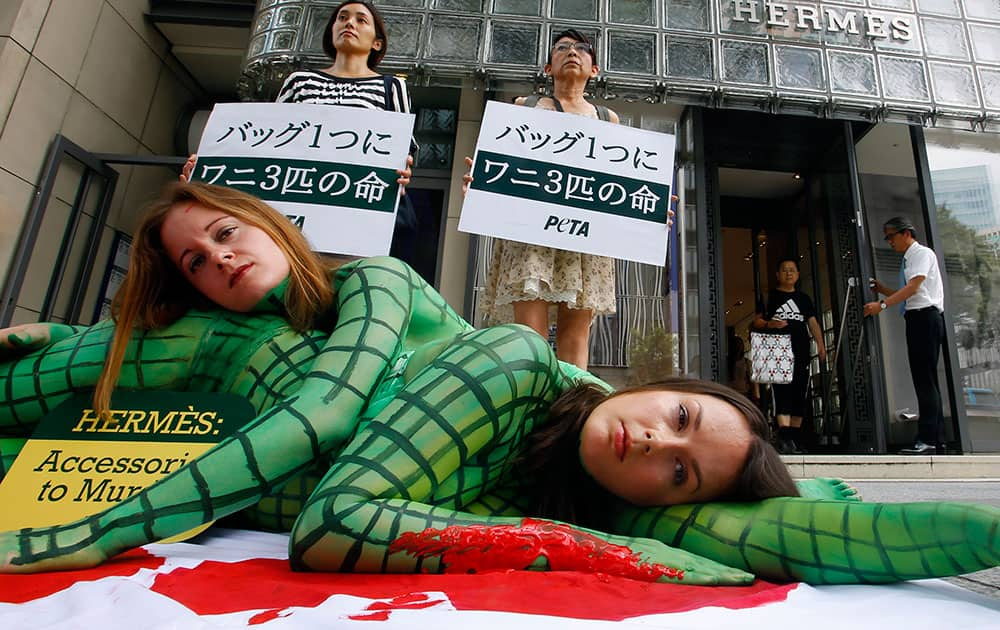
x,y
913,467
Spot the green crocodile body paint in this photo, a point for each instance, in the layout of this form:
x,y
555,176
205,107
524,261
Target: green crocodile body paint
x,y
824,541
405,420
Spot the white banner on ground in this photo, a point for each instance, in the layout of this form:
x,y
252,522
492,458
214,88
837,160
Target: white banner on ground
x,y
238,579
331,169
570,182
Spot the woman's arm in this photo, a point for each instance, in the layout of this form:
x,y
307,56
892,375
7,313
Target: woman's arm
x,y
18,340
392,501
829,541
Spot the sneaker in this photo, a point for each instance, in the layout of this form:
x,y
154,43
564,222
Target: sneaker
x,y
919,449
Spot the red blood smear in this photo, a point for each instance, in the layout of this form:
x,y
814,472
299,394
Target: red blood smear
x,y
474,548
269,584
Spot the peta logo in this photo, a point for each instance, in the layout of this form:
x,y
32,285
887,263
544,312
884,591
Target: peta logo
x,y
576,227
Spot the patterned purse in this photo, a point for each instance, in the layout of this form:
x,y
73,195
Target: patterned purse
x,y
771,358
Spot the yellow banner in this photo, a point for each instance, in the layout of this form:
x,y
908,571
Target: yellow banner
x,y
64,473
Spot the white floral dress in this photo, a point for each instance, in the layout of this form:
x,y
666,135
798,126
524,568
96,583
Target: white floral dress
x,y
521,272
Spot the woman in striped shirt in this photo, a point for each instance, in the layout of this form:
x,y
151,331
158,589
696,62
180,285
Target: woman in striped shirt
x,y
355,39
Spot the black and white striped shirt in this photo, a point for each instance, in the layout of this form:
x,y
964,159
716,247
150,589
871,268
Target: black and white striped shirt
x,y
314,86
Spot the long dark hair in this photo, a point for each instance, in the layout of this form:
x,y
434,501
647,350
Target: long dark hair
x,y
375,56
561,489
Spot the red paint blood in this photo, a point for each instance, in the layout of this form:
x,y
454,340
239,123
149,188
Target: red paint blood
x,y
269,585
264,617
410,601
16,589
382,615
476,548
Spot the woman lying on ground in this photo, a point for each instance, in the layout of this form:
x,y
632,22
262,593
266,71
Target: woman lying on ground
x,y
439,439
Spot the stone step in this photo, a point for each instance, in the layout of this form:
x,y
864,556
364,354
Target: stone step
x,y
857,467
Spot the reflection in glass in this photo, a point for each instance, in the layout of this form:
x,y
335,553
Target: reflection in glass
x,y
953,84
902,5
852,73
575,9
631,53
965,175
982,9
743,62
472,6
688,15
944,38
799,67
689,58
990,81
517,7
943,7
404,35
514,43
904,79
633,12
985,42
453,38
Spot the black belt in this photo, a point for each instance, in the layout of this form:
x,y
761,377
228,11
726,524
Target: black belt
x,y
924,309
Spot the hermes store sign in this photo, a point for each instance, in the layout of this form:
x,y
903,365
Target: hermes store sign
x,y
804,17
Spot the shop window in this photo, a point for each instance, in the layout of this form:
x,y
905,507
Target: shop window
x,y
965,177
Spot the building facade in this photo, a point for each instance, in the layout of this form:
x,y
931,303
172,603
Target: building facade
x,y
801,127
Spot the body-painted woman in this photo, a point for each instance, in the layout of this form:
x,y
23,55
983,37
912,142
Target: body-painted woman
x,y
436,432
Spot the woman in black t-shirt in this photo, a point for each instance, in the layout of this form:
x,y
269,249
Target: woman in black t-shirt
x,y
791,310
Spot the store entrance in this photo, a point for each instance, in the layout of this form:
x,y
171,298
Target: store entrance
x,y
782,188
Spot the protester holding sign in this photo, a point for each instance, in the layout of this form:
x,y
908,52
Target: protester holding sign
x,y
532,284
356,40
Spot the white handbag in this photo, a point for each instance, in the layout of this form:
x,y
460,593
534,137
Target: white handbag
x,y
771,358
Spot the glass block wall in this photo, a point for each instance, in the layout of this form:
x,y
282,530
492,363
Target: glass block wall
x,y
921,61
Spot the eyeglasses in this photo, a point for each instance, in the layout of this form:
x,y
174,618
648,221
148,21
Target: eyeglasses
x,y
888,237
580,47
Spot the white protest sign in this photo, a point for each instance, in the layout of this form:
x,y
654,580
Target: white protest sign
x,y
331,169
570,182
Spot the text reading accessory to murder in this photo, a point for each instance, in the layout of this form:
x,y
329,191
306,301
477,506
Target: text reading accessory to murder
x,y
77,462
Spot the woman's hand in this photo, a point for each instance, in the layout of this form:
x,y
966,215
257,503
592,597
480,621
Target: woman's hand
x,y
404,175
12,543
20,340
776,324
467,178
188,167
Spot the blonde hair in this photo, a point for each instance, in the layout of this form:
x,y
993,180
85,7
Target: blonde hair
x,y
156,294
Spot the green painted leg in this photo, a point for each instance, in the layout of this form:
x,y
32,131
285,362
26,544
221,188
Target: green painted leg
x,y
830,542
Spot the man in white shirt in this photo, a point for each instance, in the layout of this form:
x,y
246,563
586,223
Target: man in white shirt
x,y
922,296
